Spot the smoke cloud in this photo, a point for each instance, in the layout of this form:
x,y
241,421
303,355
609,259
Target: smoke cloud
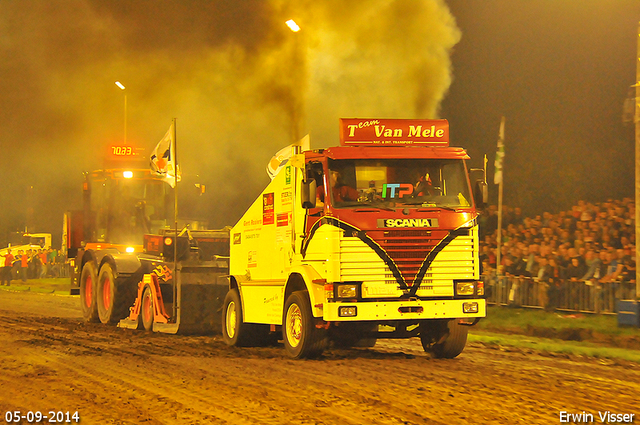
x,y
235,77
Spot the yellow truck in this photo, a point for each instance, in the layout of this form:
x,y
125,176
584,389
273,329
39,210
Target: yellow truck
x,y
375,238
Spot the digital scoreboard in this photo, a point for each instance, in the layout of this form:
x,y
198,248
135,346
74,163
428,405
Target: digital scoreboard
x,y
119,155
125,151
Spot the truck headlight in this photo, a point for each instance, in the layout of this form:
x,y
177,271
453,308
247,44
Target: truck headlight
x,y
346,290
465,288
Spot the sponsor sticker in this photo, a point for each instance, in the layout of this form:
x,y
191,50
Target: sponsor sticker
x,y
252,259
282,219
286,198
268,211
287,175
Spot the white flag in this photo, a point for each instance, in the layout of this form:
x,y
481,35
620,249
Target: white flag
x,y
282,157
497,178
163,158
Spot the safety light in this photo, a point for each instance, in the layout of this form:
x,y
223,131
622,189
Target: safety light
x,y
470,307
348,311
480,288
130,249
127,174
168,241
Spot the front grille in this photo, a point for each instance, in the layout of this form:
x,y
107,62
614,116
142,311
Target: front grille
x,y
407,250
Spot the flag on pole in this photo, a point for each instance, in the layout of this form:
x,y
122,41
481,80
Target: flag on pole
x,y
497,178
282,157
163,158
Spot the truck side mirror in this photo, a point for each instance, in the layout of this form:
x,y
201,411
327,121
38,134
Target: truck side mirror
x,y
481,194
308,193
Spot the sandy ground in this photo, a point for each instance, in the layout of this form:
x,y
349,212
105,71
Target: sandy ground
x,y
51,361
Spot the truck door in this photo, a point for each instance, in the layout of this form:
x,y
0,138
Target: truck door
x,y
315,171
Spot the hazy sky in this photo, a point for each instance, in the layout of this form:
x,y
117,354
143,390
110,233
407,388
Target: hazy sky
x,y
559,72
232,74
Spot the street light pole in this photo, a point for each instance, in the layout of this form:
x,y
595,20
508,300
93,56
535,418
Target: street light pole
x,y
121,86
637,127
297,67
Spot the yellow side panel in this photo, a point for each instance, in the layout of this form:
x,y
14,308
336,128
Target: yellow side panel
x,y
262,303
323,252
261,242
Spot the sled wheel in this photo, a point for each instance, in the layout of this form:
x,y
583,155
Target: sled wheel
x,y
88,281
301,337
147,309
443,339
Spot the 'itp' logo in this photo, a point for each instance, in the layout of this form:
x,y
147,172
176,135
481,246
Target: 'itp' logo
x,y
396,190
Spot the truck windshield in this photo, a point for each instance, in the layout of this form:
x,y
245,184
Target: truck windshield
x,y
126,209
388,183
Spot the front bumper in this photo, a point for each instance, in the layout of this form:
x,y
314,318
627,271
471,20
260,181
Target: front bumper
x,y
405,310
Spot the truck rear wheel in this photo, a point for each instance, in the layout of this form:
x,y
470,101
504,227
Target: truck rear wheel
x,y
146,309
301,337
443,338
88,292
114,297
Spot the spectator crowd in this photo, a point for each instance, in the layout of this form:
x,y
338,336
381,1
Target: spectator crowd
x,y
590,243
30,264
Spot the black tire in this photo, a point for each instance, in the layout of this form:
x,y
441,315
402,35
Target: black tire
x,y
115,296
301,337
354,334
444,339
235,332
89,292
147,309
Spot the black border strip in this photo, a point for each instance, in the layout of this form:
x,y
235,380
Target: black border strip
x,y
432,255
364,238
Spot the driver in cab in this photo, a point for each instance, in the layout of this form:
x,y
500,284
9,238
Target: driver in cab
x,y
341,191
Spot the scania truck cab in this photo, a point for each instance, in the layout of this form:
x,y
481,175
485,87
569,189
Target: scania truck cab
x,y
376,238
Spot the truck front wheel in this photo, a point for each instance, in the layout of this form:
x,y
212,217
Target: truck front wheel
x,y
301,337
88,292
443,338
234,331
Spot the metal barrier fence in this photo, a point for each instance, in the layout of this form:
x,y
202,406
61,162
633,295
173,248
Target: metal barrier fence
x,y
578,296
55,270
64,270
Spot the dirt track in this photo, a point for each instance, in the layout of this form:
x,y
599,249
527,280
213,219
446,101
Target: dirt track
x,y
51,360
